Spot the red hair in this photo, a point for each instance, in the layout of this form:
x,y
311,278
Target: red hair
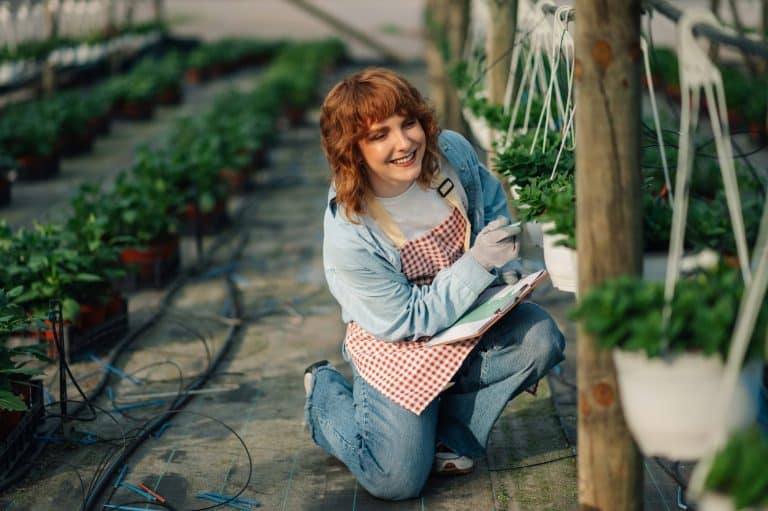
x,y
349,110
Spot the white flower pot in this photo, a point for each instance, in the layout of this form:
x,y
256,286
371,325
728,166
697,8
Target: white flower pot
x,y
561,262
670,403
479,127
654,266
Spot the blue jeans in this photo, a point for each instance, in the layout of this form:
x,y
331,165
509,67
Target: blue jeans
x,y
389,449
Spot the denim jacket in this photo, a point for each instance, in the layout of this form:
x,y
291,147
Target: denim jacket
x,y
364,271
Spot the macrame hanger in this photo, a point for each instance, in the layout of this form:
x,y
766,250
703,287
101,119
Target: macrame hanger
x,y
656,121
541,49
533,69
522,32
749,309
697,72
569,51
559,37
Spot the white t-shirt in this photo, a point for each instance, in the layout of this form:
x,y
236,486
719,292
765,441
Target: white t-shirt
x,y
415,211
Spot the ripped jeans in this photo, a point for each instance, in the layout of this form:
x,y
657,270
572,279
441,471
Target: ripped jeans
x,y
389,449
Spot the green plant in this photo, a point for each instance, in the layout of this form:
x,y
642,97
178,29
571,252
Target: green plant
x,y
524,164
39,260
740,470
13,361
626,313
142,206
26,129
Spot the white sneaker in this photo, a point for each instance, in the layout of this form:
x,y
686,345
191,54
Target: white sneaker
x,y
449,463
308,374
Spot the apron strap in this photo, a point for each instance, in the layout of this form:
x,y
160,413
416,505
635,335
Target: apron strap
x,y
442,185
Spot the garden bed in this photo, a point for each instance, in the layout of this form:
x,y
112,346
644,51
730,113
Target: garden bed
x,y
15,446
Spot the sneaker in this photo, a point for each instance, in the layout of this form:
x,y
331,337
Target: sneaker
x,y
449,463
308,373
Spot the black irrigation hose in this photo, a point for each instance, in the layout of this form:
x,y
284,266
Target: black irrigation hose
x,y
126,342
178,404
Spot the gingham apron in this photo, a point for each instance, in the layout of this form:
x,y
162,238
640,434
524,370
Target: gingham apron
x,y
410,373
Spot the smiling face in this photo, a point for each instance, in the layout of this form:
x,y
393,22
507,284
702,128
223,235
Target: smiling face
x,y
393,150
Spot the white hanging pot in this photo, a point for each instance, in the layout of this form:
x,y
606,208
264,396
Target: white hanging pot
x,y
479,127
670,403
654,266
535,233
561,262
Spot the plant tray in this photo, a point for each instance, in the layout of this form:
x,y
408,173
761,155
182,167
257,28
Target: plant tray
x,y
102,335
161,272
15,446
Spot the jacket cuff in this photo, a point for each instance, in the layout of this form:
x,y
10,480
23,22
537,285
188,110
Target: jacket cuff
x,y
472,273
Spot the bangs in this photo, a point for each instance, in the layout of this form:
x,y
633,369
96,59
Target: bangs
x,y
376,100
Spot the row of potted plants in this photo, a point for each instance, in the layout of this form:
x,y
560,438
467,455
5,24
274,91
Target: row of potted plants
x,y
549,201
34,135
224,56
181,184
25,60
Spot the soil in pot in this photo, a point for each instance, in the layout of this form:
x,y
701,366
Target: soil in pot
x,y
35,168
135,110
5,191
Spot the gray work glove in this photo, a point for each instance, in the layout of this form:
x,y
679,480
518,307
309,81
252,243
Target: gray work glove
x,y
513,271
496,244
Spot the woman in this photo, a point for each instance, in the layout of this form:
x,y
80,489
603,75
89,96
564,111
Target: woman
x,y
406,204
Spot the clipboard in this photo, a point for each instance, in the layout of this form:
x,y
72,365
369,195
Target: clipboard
x,y
490,306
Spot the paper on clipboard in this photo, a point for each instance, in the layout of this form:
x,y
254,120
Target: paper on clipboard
x,y
491,305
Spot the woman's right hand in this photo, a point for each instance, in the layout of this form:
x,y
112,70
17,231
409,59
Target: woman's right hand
x,y
497,244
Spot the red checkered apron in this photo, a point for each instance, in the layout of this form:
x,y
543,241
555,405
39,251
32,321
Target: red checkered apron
x,y
410,373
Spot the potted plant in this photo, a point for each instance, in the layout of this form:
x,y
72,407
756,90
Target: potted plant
x,y
7,164
669,372
15,373
140,220
29,136
133,95
735,477
71,112
167,74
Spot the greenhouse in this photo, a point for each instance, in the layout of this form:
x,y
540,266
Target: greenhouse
x,y
505,255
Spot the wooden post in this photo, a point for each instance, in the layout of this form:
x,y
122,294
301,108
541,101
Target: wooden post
x,y
52,14
448,22
499,42
608,234
158,6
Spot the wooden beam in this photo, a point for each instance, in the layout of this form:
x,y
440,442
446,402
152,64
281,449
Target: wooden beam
x,y
348,30
608,234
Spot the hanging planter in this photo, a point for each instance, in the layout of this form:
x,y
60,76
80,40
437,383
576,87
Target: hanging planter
x,y
669,402
671,373
733,478
561,262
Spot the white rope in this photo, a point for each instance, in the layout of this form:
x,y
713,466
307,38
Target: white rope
x,y
533,70
561,49
696,73
749,309
656,122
